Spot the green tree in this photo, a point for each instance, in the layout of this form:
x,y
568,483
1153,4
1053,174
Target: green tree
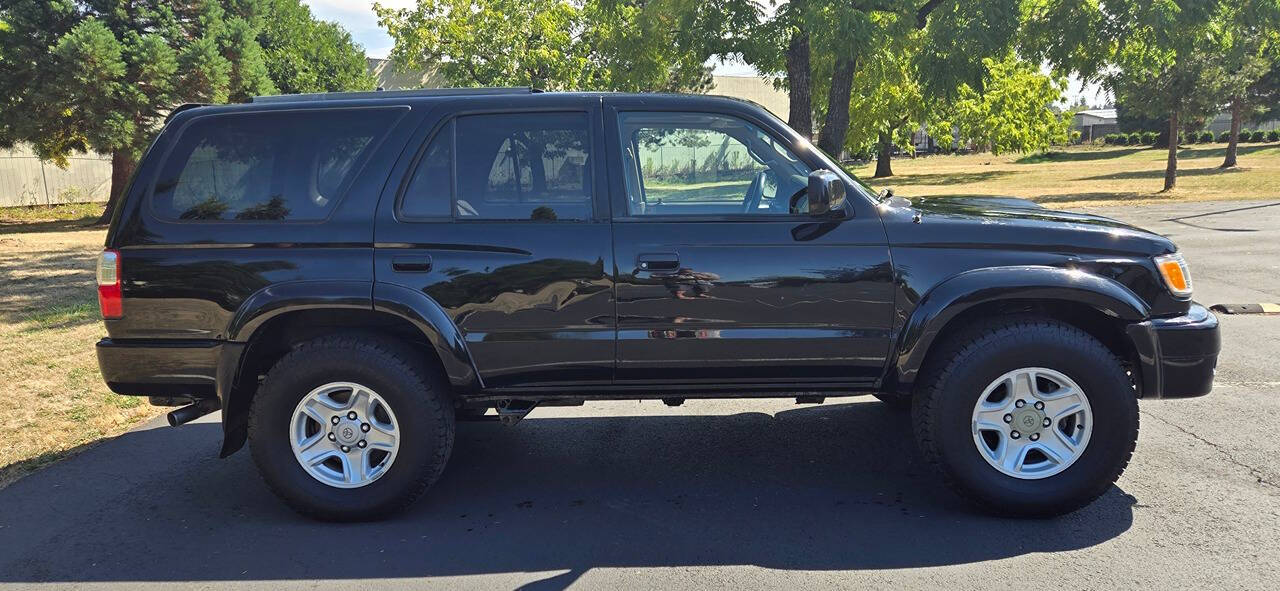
x,y
1162,59
658,45
1250,51
304,54
78,76
1015,111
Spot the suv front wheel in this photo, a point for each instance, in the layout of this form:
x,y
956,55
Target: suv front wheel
x,y
351,428
1026,416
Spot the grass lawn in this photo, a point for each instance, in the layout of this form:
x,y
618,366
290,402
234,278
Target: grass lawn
x,y
48,324
1090,175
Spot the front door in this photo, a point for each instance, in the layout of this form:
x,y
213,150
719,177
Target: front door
x,y
721,278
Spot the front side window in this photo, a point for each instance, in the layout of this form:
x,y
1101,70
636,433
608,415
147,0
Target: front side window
x,y
704,164
281,165
527,166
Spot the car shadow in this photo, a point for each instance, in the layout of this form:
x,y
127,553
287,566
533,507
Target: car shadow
x,y
830,487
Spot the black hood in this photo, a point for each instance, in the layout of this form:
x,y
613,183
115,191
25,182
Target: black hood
x,y
1010,221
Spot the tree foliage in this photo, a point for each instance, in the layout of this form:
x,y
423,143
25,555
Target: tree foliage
x,y
659,45
304,54
1014,112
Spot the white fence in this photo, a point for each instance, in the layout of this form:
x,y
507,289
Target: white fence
x,y
25,180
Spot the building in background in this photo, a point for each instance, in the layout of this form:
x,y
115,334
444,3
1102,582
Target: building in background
x,y
1095,123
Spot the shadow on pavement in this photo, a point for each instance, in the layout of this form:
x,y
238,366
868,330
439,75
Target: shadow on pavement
x,y
826,487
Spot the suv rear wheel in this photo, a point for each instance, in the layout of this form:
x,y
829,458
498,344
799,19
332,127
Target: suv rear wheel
x,y
1026,416
350,428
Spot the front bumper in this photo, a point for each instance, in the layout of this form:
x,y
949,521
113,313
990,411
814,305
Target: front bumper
x,y
1177,356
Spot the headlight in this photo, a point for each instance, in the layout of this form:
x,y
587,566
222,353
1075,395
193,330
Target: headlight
x,y
1176,276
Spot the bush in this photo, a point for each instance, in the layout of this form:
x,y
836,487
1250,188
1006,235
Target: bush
x,y
1206,137
1273,135
1120,140
1135,138
1258,136
1224,137
1148,138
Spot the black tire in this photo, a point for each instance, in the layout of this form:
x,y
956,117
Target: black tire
x,y
896,401
953,380
417,395
470,414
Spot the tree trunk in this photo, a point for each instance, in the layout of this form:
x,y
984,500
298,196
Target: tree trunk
x,y
800,112
1171,170
122,166
884,166
1236,112
836,124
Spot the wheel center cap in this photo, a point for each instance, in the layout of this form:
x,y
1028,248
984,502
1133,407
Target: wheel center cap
x,y
347,431
1027,420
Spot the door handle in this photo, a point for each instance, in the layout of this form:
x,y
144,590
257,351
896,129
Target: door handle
x,y
414,264
661,262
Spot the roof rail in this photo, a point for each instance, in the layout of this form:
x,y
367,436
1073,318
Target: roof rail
x,y
386,94
181,108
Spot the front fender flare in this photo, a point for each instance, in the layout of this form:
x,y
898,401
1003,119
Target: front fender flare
x,y
960,292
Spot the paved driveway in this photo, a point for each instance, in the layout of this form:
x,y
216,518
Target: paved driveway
x,y
726,494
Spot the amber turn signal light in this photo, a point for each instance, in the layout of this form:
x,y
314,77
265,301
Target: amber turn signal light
x,y
1176,276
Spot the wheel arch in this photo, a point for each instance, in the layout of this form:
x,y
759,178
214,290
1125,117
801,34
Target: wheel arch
x,y
275,319
1098,305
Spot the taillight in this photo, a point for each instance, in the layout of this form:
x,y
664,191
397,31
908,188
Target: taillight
x,y
110,298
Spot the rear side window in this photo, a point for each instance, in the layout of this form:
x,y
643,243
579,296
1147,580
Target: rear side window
x,y
522,166
283,165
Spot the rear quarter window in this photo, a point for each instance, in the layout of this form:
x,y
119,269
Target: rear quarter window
x,y
269,165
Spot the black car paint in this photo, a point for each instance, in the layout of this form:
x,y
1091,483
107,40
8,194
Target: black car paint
x,y
847,302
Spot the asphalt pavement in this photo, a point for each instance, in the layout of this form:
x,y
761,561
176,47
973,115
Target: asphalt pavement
x,y
713,494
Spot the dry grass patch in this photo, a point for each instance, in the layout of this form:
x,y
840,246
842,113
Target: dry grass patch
x,y
48,325
1090,175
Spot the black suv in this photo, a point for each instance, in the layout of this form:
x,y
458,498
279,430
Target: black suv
x,y
344,276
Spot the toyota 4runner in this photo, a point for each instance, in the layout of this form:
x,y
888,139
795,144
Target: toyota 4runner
x,y
344,276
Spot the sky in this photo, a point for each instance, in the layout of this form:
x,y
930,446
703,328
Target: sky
x,y
357,17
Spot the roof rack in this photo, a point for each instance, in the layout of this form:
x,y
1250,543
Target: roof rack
x,y
386,94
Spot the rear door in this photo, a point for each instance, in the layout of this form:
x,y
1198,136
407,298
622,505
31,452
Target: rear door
x,y
721,279
499,220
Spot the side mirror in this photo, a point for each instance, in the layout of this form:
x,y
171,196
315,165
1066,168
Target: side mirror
x,y
826,192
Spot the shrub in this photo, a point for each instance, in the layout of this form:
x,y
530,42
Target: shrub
x,y
1121,139
1135,138
1148,138
1258,136
1273,135
1224,137
1206,137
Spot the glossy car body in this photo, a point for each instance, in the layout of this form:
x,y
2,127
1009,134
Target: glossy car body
x,y
619,306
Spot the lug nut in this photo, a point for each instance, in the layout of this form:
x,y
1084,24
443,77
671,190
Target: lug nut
x,y
1035,437
1047,421
364,427
362,443
1020,403
332,437
1015,435
351,415
1039,405
345,449
1008,418
335,420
